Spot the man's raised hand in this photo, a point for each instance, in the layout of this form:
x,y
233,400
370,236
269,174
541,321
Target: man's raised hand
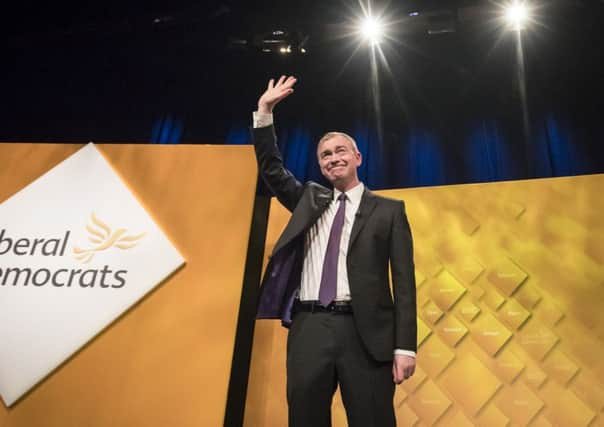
x,y
275,93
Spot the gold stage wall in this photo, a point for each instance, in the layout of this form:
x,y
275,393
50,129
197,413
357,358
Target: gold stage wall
x,y
510,280
167,361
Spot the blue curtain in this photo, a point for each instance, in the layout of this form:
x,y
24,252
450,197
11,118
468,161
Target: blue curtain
x,y
487,150
167,130
487,153
559,150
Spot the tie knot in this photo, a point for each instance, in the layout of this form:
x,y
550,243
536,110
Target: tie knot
x,y
342,197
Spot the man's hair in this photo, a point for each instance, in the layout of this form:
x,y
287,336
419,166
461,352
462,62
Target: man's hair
x,y
330,135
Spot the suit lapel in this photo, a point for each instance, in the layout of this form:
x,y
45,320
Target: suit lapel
x,y
366,207
300,223
322,202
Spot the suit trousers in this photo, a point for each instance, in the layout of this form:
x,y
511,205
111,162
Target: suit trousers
x,y
324,350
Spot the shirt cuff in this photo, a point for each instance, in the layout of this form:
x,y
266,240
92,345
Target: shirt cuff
x,y
261,120
400,352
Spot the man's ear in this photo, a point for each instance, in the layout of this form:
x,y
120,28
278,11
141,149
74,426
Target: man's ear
x,y
359,158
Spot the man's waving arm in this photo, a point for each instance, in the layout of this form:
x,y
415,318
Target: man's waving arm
x,y
270,163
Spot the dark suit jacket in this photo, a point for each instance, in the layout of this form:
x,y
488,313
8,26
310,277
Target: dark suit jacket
x,y
380,236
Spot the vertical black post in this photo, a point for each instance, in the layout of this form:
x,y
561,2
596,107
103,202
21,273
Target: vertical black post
x,y
242,353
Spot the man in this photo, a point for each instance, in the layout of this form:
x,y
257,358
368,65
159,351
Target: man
x,y
328,280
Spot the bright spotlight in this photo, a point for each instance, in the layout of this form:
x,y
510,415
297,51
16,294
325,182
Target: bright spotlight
x,y
372,30
516,15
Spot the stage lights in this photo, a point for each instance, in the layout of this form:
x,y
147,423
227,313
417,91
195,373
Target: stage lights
x,y
278,41
372,30
517,15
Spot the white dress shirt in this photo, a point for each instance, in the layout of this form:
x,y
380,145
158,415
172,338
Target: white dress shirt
x,y
315,246
315,241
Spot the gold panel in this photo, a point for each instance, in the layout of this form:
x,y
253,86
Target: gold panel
x,y
467,311
519,403
459,420
405,416
513,314
527,296
423,331
559,367
536,339
429,403
420,278
476,292
521,266
451,330
507,366
400,395
534,376
549,313
514,210
541,421
415,381
166,361
471,382
493,299
445,290
489,333
427,262
506,276
564,408
432,313
436,355
587,388
466,269
492,417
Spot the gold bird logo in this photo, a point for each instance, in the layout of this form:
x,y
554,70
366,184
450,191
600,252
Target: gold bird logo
x,y
104,238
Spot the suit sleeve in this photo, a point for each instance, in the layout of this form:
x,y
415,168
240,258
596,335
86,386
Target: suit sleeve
x,y
281,181
403,282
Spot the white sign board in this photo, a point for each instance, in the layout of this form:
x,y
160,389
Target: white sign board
x,y
76,250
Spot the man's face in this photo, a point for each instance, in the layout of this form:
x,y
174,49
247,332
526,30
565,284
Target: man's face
x,y
338,160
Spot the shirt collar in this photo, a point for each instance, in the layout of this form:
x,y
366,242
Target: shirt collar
x,y
354,194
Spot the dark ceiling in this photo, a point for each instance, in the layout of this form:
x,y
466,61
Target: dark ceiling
x,y
108,70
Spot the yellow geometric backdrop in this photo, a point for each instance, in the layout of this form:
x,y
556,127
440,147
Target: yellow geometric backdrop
x,y
510,280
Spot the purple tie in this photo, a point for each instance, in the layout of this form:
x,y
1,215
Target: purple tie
x,y
329,277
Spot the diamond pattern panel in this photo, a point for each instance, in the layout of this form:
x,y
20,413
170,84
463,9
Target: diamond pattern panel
x,y
537,339
513,314
429,402
588,389
451,330
493,299
506,276
471,382
415,381
510,280
492,417
436,355
507,366
559,367
432,313
528,296
468,311
466,269
446,290
564,408
490,333
519,403
423,331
